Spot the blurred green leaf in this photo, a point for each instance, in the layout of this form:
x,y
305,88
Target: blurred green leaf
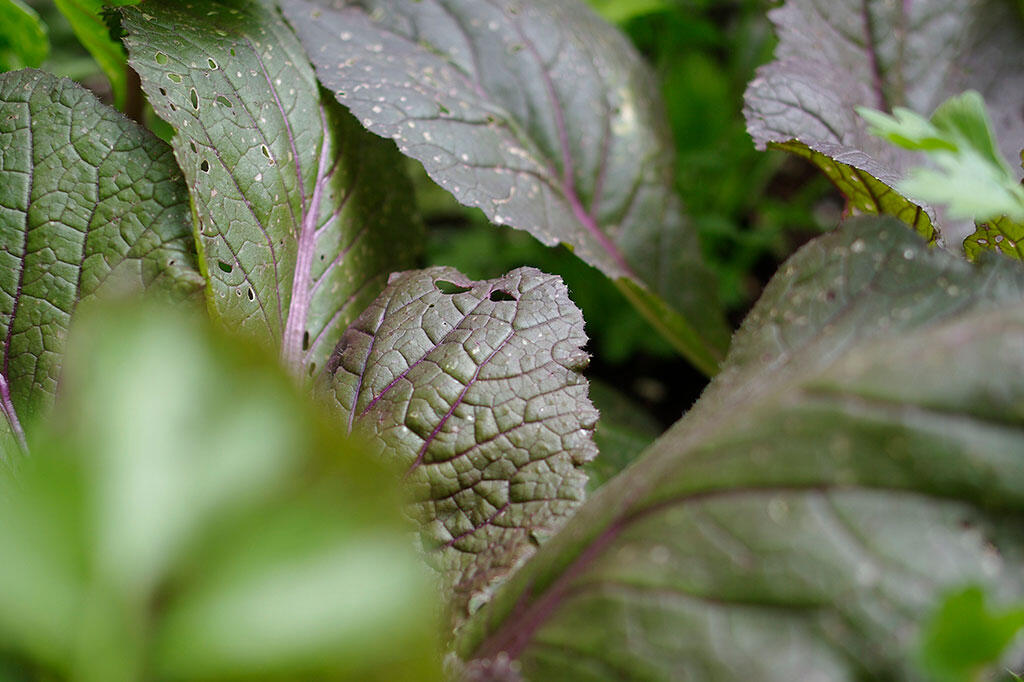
x,y
965,635
621,11
86,17
971,176
23,37
624,430
189,514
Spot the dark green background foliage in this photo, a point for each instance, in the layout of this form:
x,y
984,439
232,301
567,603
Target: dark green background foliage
x,y
377,340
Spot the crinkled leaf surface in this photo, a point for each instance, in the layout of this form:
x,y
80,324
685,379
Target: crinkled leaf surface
x,y
300,213
190,514
475,388
860,453
833,57
87,198
540,114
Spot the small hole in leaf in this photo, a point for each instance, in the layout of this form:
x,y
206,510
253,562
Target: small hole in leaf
x,y
192,144
252,294
171,262
194,96
266,152
499,295
161,58
174,77
163,91
213,64
305,340
444,109
446,287
171,105
221,99
226,267
205,166
340,93
312,368
232,51
321,256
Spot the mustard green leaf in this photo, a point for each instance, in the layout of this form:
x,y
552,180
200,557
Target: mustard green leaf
x,y
300,214
474,388
543,116
858,456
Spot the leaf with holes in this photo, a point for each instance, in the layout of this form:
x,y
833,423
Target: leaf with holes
x,y
88,200
860,453
475,388
543,116
833,57
300,214
1001,235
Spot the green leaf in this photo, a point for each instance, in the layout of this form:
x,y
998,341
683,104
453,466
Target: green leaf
x,y
300,213
541,115
23,37
86,18
1001,235
972,178
474,388
965,635
835,57
859,455
88,201
189,514
624,431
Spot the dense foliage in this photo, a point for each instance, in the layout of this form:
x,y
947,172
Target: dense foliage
x,y
224,378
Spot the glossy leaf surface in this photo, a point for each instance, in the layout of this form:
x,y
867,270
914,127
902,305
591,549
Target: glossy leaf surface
x,y
859,455
300,213
88,199
541,115
475,389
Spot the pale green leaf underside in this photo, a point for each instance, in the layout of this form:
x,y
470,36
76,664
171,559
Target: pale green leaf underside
x,y
87,199
541,115
300,213
859,454
475,388
833,57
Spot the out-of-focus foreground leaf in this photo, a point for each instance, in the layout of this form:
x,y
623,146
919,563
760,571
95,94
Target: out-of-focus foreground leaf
x,y
23,37
86,18
475,389
187,514
833,57
87,199
301,214
543,116
859,455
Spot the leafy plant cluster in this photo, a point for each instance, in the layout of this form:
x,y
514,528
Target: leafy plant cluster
x,y
211,485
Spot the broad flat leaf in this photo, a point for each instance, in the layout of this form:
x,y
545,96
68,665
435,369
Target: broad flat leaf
x,y
833,57
300,213
1001,235
860,454
86,19
87,199
543,116
475,389
190,514
970,176
23,38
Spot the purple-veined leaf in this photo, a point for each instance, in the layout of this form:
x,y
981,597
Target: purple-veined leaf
x,y
860,453
833,57
87,199
300,213
543,116
475,389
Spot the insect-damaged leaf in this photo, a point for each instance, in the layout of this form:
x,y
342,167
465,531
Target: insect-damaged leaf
x,y
87,199
860,453
1001,235
475,388
833,57
300,213
543,116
